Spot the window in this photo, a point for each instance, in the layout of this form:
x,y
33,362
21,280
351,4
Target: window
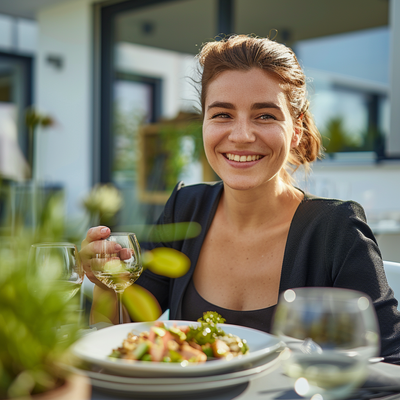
x,y
136,101
350,119
15,97
349,89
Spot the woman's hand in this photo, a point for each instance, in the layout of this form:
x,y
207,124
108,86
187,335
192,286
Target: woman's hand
x,y
104,302
94,244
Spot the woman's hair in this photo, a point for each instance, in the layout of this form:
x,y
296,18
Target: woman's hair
x,y
242,52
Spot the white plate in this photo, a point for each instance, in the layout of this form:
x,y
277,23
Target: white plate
x,y
173,385
261,365
96,347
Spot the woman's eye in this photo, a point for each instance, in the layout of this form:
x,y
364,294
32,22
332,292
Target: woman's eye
x,y
221,115
267,116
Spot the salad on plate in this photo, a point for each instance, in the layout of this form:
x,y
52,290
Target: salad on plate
x,y
182,344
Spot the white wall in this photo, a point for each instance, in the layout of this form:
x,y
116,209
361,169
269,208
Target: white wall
x,y
63,152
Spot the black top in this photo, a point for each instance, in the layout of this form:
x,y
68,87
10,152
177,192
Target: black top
x,y
193,307
329,244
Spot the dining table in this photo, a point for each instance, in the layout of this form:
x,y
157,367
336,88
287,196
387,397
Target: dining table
x,y
273,384
382,382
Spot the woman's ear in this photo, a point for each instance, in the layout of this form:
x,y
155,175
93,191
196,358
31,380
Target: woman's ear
x,y
297,133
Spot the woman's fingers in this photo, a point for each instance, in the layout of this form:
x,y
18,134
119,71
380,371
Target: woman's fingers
x,y
94,244
125,254
96,233
99,248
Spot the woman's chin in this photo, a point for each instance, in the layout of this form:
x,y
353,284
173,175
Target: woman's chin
x,y
241,184
247,183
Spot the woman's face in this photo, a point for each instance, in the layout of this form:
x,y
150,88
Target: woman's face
x,y
247,129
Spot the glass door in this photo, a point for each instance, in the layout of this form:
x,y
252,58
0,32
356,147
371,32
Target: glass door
x,y
149,120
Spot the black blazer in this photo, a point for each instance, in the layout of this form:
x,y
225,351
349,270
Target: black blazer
x,y
329,244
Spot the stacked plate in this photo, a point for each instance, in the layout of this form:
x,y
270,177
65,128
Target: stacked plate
x,y
157,378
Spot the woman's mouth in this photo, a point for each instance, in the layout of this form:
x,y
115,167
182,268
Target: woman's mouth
x,y
243,158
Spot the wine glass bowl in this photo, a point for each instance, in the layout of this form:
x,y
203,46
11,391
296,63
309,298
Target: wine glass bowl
x,y
330,335
118,264
58,263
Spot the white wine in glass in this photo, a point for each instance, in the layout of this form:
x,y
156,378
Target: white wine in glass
x,y
121,269
58,263
330,334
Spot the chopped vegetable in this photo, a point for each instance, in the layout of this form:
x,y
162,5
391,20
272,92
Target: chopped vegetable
x,y
141,350
179,344
208,329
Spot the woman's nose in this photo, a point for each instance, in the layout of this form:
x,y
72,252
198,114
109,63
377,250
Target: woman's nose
x,y
242,132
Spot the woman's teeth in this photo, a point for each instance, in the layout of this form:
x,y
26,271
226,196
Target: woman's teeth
x,y
235,157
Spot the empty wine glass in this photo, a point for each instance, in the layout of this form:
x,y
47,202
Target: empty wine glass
x,y
60,264
120,269
338,333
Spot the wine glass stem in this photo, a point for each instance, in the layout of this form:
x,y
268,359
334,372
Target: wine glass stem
x,y
119,307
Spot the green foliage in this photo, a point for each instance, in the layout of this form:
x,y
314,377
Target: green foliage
x,y
171,145
102,203
170,232
335,138
51,220
37,325
33,119
126,140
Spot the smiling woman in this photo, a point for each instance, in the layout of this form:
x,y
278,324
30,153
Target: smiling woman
x,y
248,129
278,62
260,234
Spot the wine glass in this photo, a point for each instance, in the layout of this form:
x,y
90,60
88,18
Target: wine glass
x,y
330,335
120,269
59,263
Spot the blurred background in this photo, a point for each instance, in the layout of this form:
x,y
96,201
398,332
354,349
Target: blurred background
x,y
104,92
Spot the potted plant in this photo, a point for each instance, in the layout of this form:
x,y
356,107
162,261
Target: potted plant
x,y
37,325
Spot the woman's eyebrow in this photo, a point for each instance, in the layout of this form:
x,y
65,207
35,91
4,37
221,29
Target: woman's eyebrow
x,y
255,106
259,106
221,104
